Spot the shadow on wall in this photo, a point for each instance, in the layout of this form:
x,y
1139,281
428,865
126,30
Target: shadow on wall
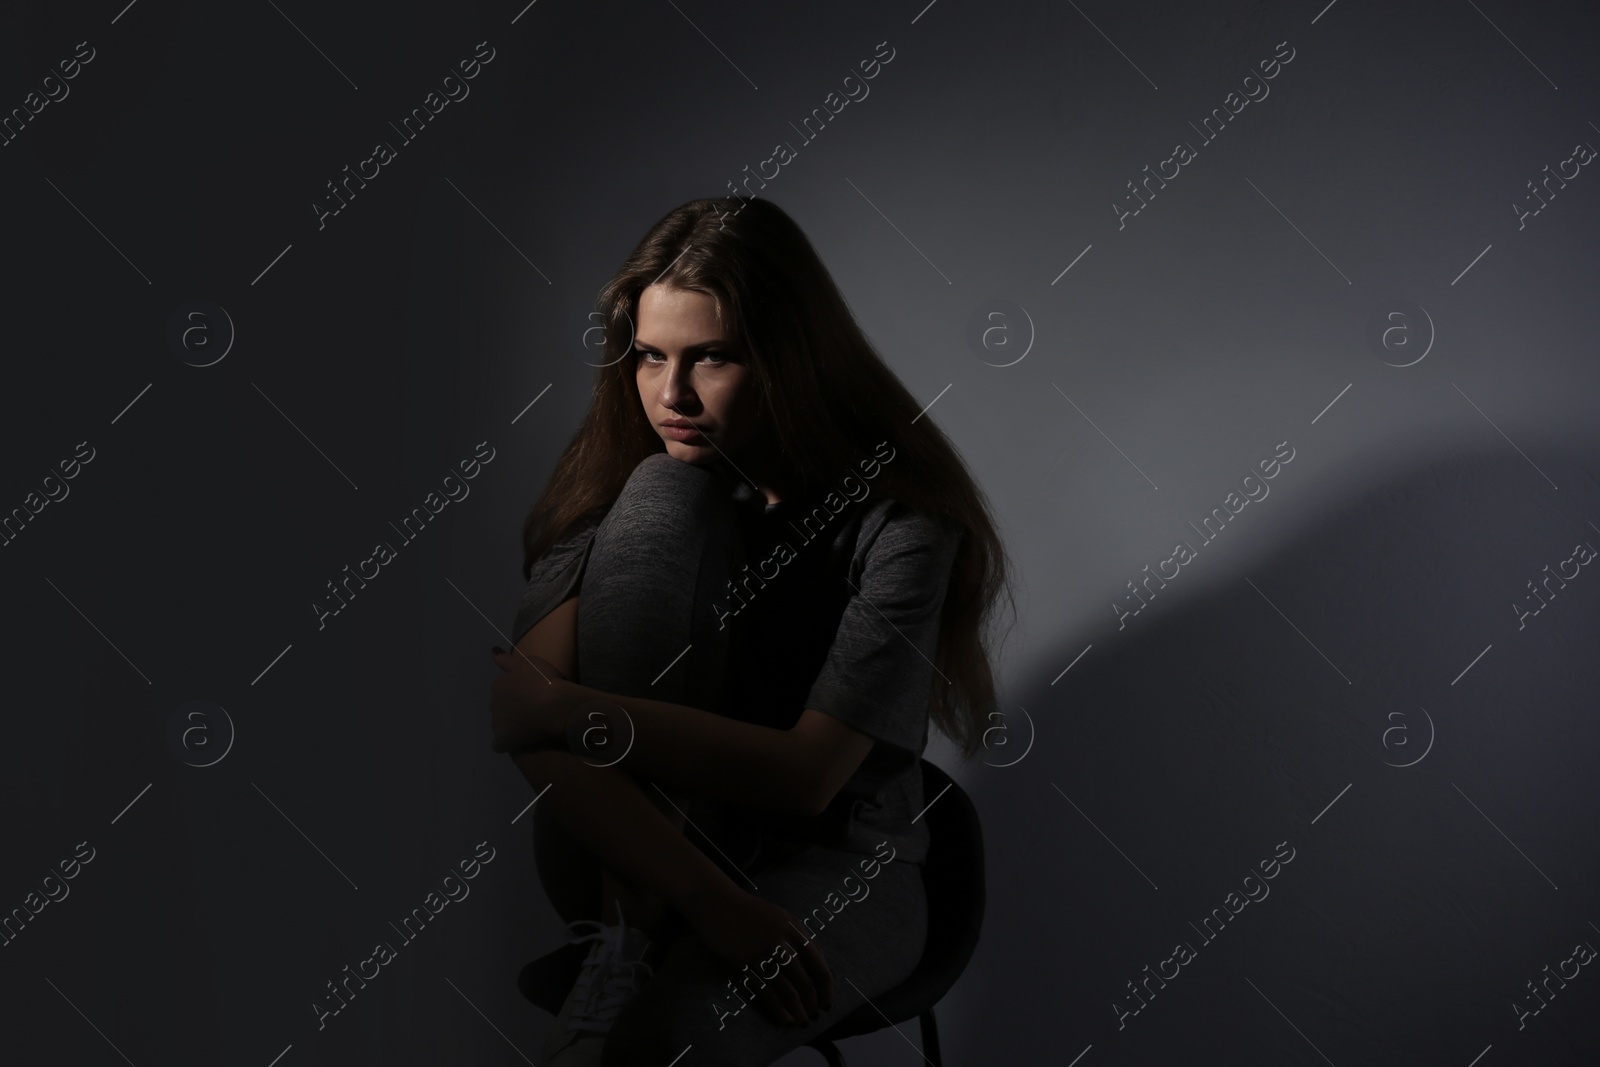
x,y
1324,828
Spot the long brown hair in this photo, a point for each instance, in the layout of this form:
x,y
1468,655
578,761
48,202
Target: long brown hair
x,y
824,395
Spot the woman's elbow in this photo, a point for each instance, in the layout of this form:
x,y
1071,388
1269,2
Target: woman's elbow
x,y
814,798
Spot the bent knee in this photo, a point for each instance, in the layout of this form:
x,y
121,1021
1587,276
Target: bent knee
x,y
660,471
671,494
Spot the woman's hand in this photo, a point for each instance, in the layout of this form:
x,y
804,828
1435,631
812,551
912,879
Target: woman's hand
x,y
741,928
529,703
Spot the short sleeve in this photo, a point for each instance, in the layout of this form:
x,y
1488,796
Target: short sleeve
x,y
556,576
879,671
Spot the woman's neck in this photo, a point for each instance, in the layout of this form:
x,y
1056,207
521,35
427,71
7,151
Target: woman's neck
x,y
763,469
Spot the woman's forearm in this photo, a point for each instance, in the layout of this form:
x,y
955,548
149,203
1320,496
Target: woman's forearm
x,y
605,809
695,751
706,754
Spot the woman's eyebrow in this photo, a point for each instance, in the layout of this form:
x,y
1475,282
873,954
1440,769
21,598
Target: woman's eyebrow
x,y
687,348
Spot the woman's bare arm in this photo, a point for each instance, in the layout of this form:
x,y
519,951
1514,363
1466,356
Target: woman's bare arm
x,y
605,809
795,771
620,822
554,638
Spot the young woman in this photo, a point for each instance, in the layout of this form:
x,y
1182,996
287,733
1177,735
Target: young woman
x,y
754,578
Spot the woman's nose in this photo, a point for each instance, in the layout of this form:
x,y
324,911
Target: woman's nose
x,y
676,389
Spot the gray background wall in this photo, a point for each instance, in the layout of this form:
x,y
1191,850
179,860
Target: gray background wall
x,y
1359,618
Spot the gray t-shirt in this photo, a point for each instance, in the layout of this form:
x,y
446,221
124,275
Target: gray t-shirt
x,y
848,625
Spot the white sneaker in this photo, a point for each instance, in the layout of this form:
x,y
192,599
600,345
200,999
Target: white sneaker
x,y
611,976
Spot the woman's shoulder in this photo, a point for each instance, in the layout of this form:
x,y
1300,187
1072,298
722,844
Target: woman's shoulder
x,y
570,542
557,575
891,526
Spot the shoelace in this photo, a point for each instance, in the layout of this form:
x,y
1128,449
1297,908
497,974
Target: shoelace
x,y
605,984
615,986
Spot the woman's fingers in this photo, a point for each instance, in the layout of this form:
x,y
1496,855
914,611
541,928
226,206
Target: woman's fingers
x,y
800,987
771,1001
816,970
802,982
789,998
803,987
787,1001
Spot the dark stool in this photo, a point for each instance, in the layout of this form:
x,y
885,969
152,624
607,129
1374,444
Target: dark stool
x,y
954,877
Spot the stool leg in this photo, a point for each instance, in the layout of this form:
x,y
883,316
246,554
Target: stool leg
x,y
830,1052
930,1039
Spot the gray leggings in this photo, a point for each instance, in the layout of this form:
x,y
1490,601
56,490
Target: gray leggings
x,y
663,553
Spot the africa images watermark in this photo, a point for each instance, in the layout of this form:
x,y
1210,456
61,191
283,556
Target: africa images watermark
x,y
1582,154
855,490
1183,553
384,153
12,925
55,491
12,125
384,952
1582,954
785,153
1184,953
1582,554
1184,153
832,905
410,528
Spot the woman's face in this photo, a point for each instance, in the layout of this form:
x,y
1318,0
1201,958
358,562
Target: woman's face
x,y
688,372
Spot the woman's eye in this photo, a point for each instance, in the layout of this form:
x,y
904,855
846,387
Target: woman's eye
x,y
648,356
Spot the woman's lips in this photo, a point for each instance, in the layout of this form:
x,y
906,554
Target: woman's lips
x,y
680,432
